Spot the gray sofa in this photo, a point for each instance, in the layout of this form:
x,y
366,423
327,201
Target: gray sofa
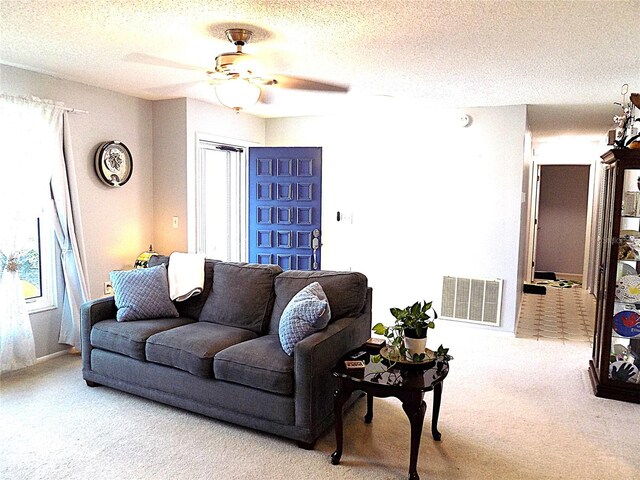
x,y
222,356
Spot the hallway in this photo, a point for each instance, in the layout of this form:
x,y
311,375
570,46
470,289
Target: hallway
x,y
563,314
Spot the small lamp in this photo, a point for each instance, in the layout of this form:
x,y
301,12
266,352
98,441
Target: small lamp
x,y
143,259
237,93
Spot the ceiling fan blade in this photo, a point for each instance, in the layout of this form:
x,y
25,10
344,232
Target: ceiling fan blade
x,y
159,62
300,83
175,88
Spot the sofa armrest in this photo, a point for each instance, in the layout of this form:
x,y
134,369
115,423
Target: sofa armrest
x,y
316,355
91,313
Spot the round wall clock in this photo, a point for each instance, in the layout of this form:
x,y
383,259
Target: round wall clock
x,y
114,164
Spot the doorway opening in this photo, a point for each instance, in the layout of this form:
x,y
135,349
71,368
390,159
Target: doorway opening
x,y
561,222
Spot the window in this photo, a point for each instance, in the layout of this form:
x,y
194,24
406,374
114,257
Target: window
x,y
28,262
221,215
31,140
34,262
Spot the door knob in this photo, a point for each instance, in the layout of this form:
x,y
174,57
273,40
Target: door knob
x,y
315,244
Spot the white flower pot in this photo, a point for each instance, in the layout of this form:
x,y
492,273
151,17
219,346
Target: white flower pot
x,y
415,345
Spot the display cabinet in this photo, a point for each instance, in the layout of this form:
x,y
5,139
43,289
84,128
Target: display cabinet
x,y
614,368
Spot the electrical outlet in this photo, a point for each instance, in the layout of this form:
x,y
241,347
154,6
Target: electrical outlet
x,y
108,288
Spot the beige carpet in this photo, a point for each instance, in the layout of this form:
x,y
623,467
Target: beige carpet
x,y
512,409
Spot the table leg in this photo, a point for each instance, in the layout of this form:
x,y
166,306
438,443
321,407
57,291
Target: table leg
x,y
437,397
369,416
415,409
339,397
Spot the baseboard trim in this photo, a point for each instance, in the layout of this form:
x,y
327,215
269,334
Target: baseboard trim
x,y
52,356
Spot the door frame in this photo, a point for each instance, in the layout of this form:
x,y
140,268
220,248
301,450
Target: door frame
x,y
194,207
534,188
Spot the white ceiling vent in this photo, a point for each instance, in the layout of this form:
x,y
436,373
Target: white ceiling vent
x,y
472,300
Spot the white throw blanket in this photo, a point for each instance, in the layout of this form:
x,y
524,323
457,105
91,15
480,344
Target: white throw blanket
x,y
186,275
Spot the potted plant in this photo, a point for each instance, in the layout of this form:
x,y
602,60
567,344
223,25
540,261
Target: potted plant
x,y
409,332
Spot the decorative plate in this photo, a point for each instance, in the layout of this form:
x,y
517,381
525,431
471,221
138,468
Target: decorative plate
x,y
628,289
429,358
113,164
626,269
626,323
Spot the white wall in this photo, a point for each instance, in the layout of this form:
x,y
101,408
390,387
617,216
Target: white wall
x,y
525,213
117,222
169,174
177,123
428,199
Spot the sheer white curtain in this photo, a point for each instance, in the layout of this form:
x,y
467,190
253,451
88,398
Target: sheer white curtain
x,y
38,174
17,347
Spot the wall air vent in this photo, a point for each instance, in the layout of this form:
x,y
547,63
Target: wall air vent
x,y
472,300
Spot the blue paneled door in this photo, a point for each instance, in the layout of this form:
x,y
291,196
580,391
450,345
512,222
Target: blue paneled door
x,y
285,193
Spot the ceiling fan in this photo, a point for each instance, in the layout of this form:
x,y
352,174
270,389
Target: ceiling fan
x,y
239,82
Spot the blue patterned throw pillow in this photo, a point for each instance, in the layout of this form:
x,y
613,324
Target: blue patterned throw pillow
x,y
142,293
307,312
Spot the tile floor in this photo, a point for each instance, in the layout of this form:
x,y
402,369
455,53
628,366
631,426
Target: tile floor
x,y
563,314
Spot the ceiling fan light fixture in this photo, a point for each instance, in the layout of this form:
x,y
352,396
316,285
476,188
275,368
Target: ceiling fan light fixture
x,y
237,94
236,63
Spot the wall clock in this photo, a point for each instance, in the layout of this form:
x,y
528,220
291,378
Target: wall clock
x,y
114,164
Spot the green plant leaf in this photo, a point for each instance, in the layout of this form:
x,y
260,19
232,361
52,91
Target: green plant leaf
x,y
376,358
379,329
443,353
417,316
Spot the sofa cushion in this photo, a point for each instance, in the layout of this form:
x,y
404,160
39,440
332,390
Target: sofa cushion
x,y
346,292
307,312
242,295
192,306
191,348
142,293
258,363
129,338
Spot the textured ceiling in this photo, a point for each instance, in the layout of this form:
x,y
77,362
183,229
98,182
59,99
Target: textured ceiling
x,y
568,59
